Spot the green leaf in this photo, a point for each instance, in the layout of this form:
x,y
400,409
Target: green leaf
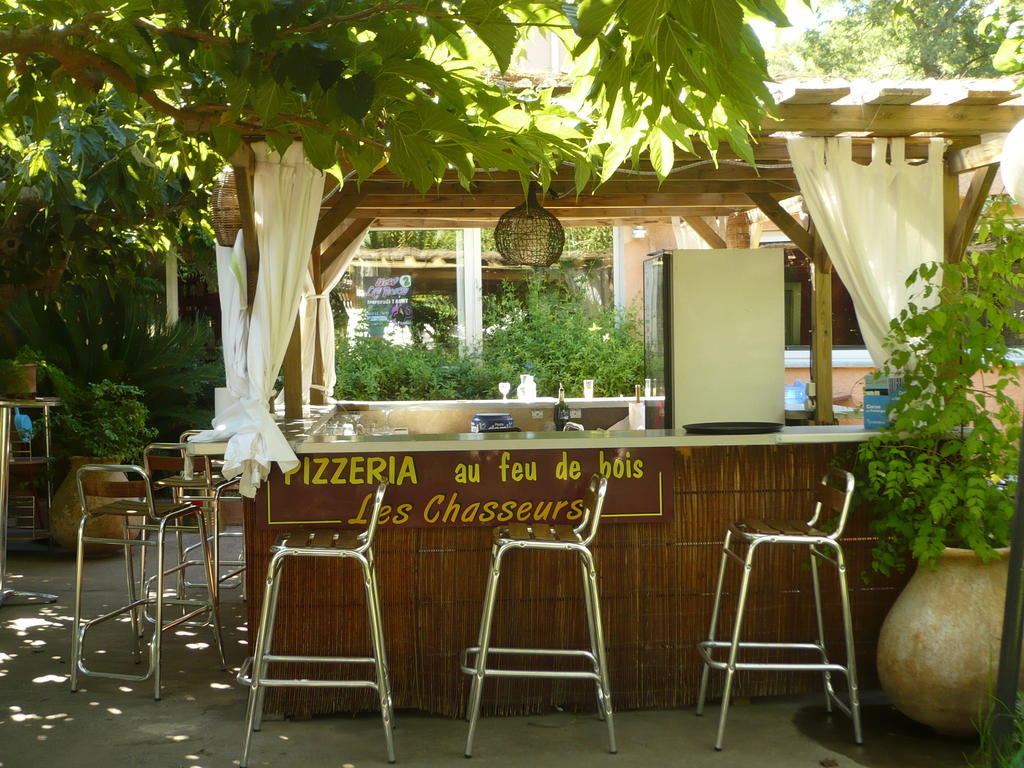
x,y
268,98
226,139
493,27
593,16
300,66
662,153
645,18
354,95
179,45
263,28
319,147
718,23
767,9
199,13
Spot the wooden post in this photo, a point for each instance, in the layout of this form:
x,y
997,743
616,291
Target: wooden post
x,y
171,284
317,396
293,373
243,162
821,333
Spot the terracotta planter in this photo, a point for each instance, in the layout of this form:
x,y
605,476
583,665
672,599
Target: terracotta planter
x,y
24,386
938,650
66,512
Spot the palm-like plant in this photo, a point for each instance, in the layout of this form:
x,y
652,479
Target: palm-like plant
x,y
96,331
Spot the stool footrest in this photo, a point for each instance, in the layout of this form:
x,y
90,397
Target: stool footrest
x,y
244,675
540,673
706,650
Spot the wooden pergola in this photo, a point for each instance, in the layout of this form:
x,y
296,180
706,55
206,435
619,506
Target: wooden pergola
x,y
971,116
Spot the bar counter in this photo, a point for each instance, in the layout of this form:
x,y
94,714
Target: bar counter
x,y
656,571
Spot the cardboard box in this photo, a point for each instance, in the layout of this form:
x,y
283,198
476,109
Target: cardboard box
x,y
879,391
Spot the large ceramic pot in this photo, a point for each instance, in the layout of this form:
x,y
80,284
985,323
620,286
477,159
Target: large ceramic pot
x,y
938,651
66,512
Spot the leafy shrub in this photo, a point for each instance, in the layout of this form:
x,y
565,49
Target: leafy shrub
x,y
375,369
103,419
937,477
554,333
549,330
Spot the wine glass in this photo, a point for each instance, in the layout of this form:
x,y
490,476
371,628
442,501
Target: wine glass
x,y
504,388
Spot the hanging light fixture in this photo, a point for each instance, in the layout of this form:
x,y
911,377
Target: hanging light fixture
x,y
529,235
224,208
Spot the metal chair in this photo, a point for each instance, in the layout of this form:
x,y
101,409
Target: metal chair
x,y
550,538
319,543
831,507
133,500
195,481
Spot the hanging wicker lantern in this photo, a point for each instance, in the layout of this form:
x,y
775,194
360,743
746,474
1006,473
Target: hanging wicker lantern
x,y
529,235
224,210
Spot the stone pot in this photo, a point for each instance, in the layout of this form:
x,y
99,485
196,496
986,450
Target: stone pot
x,y
938,650
66,512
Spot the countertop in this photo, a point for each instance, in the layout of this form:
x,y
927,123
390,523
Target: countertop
x,y
305,437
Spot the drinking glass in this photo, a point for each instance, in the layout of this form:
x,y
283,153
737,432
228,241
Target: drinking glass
x,y
588,389
504,388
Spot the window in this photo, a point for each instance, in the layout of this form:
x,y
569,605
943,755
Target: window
x,y
800,307
428,286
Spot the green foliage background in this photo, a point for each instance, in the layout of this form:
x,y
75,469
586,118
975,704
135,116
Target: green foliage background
x,y
892,39
549,330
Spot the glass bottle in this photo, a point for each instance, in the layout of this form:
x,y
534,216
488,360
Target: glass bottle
x,y
561,409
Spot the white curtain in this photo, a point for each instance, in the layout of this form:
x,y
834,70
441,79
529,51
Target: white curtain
x,y
316,311
878,222
286,199
234,322
1011,167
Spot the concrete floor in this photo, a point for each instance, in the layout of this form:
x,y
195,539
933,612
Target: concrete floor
x,y
198,723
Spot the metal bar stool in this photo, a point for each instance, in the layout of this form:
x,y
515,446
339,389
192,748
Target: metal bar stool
x,y
131,500
170,467
831,506
552,538
319,543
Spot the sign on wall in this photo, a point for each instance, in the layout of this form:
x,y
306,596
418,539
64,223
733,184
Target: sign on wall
x,y
461,488
388,302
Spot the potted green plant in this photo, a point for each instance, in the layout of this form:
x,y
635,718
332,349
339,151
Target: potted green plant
x,y
18,374
938,481
103,423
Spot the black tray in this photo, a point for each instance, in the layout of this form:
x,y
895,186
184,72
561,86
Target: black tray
x,y
733,427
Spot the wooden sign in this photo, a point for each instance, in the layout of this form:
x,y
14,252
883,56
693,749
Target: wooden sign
x,y
460,488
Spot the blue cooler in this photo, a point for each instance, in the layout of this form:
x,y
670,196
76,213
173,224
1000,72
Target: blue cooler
x,y
492,422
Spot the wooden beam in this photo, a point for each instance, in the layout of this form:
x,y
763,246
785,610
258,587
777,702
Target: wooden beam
x,y
950,210
343,241
340,206
898,95
317,396
502,203
705,230
988,152
815,95
821,333
606,221
565,189
987,96
791,227
293,373
895,119
655,213
970,210
243,163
